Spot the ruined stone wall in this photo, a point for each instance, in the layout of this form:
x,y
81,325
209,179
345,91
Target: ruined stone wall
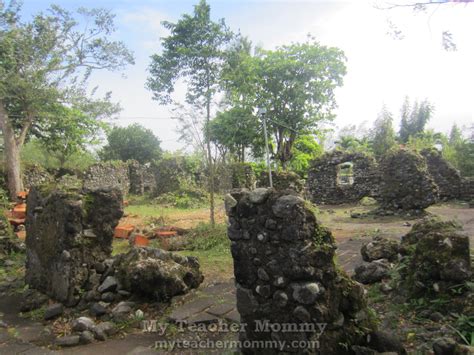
x,y
467,189
177,172
323,186
282,180
35,175
285,274
406,182
447,177
142,178
67,233
111,174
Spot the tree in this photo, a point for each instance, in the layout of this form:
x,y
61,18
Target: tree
x,y
67,131
305,149
195,51
39,60
383,134
414,118
132,142
296,84
237,130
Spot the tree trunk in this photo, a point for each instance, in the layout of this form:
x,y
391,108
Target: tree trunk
x,y
209,160
12,154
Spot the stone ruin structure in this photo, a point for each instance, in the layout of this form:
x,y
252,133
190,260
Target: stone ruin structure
x,y
406,184
341,177
436,255
285,274
447,177
67,234
69,246
141,177
282,180
113,174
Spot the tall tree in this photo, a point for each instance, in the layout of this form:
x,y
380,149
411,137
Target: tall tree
x,y
39,59
383,134
414,118
195,51
296,84
132,142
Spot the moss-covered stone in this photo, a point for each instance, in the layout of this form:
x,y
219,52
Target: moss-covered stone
x,y
436,257
406,183
282,180
157,274
286,274
67,233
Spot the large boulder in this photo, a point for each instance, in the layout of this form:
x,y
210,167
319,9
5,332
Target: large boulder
x,y
380,248
369,273
67,234
157,274
406,184
286,275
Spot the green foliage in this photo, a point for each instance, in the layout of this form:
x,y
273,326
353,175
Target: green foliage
x,y
353,144
208,237
459,151
464,327
34,152
236,130
133,142
187,196
305,149
414,118
296,84
425,140
195,50
383,134
39,58
67,132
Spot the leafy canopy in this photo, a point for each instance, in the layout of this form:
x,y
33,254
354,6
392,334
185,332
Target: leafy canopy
x,y
132,142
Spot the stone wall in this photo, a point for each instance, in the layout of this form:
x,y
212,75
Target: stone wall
x,y
67,234
324,188
406,183
282,180
447,177
285,274
35,175
142,178
467,189
113,174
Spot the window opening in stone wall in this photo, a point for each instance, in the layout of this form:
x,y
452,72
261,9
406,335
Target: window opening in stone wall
x,y
345,174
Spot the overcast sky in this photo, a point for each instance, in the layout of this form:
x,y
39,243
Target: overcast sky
x,y
380,70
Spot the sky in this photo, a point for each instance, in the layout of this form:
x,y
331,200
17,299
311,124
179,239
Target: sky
x,y
380,70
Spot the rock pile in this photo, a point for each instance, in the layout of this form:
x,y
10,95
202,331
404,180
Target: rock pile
x,y
436,257
282,180
377,255
157,274
285,274
323,183
406,185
